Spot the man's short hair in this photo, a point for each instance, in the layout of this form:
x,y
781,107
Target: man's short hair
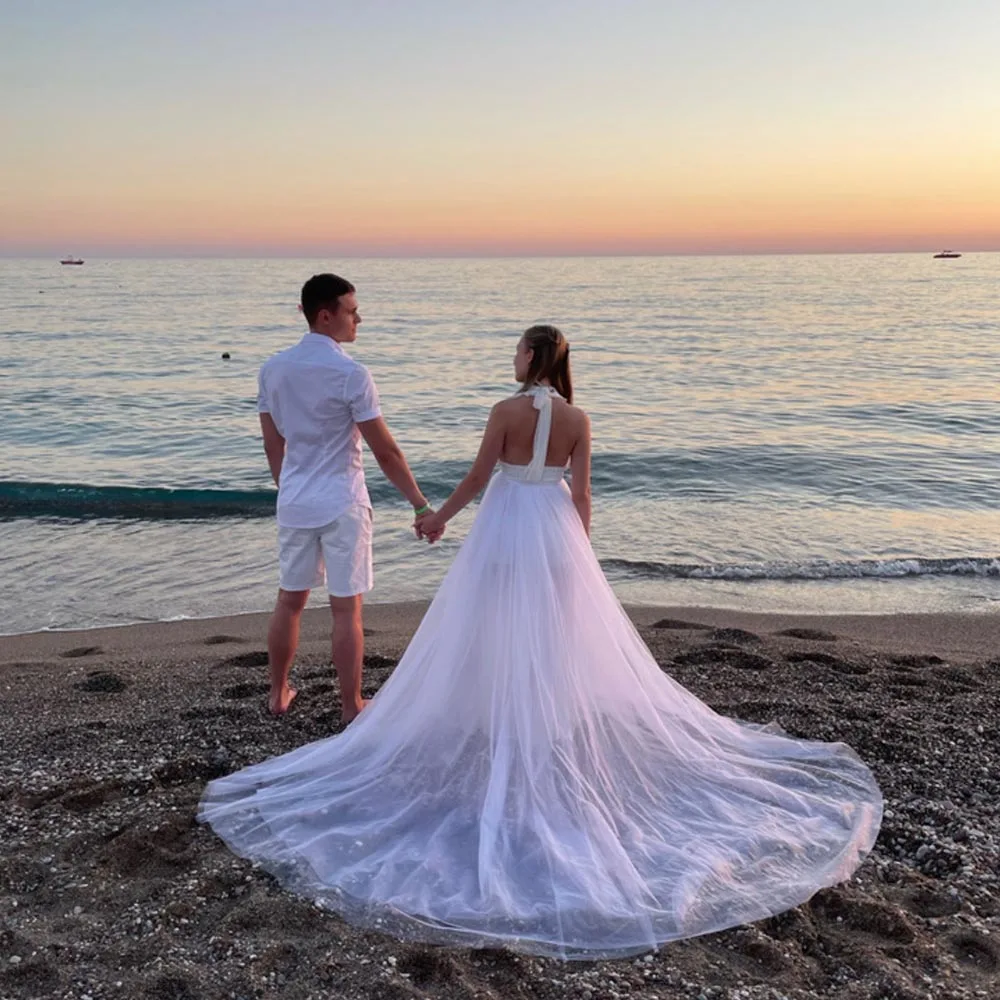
x,y
322,291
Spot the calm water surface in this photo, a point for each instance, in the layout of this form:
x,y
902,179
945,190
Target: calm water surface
x,y
772,433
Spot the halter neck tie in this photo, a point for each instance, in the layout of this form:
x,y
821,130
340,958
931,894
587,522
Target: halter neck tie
x,y
542,396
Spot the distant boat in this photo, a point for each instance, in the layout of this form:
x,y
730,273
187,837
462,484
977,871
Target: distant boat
x,y
71,260
946,253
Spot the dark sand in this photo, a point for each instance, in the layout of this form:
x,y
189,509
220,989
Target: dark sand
x,y
110,889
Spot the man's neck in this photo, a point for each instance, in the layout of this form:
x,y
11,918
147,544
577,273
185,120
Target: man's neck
x,y
329,336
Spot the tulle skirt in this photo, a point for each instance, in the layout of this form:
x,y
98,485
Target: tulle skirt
x,y
529,777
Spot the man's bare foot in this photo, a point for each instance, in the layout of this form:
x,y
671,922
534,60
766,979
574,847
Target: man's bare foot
x,y
278,704
350,714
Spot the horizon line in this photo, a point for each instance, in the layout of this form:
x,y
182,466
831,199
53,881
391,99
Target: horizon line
x,y
231,254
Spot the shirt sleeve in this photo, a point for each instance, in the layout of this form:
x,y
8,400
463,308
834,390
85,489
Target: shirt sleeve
x,y
263,405
362,396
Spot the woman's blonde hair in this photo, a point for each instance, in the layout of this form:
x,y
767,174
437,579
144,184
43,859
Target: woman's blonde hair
x,y
549,359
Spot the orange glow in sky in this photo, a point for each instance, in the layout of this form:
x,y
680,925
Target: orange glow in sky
x,y
549,128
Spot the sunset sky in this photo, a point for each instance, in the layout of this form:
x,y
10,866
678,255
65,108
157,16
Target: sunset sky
x,y
468,127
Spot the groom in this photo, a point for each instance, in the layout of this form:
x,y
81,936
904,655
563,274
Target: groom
x,y
316,403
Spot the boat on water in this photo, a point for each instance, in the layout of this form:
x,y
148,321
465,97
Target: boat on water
x,y
947,253
70,259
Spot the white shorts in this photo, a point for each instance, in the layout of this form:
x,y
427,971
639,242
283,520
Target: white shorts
x,y
339,553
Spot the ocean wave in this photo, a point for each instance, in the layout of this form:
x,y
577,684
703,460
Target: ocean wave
x,y
85,502
807,570
884,477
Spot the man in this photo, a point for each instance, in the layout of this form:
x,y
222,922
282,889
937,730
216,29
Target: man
x,y
316,404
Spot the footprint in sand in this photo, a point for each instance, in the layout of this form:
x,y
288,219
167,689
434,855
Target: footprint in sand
x,y
762,955
877,919
92,796
678,623
182,770
737,635
827,660
815,634
926,902
975,950
724,656
258,658
77,651
77,795
102,682
916,660
424,966
793,925
151,846
221,640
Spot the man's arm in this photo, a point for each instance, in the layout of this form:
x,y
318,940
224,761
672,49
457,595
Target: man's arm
x,y
391,460
274,446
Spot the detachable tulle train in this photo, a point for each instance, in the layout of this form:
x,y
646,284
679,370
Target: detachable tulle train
x,y
529,777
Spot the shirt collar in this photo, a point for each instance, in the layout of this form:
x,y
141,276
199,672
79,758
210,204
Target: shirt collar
x,y
312,338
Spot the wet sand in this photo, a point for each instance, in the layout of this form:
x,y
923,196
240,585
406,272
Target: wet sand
x,y
110,889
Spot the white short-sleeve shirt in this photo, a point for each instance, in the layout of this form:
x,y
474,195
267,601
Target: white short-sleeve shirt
x,y
316,395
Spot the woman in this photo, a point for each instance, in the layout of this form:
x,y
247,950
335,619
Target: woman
x,y
528,776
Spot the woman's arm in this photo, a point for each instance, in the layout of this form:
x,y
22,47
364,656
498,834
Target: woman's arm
x,y
490,449
579,468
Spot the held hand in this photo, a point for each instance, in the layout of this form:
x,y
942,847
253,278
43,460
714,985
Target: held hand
x,y
429,526
419,518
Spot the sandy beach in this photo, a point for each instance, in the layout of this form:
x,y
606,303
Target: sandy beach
x,y
110,888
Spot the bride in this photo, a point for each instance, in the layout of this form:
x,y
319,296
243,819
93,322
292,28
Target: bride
x,y
528,776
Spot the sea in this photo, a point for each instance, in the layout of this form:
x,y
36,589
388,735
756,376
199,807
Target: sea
x,y
808,434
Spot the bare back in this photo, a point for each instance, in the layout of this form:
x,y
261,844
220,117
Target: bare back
x,y
569,425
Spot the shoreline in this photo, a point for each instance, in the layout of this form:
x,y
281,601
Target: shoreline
x,y
962,636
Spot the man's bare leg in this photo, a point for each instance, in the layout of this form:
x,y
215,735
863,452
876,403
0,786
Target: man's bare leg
x,y
282,642
348,653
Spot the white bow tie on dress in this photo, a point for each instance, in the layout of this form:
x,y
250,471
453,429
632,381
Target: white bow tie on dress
x,y
542,396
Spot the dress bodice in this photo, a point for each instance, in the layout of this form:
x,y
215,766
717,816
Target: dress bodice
x,y
536,471
550,473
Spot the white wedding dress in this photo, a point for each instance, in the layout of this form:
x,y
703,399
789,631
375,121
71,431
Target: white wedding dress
x,y
529,777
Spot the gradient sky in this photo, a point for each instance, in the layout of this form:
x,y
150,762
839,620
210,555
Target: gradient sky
x,y
473,126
